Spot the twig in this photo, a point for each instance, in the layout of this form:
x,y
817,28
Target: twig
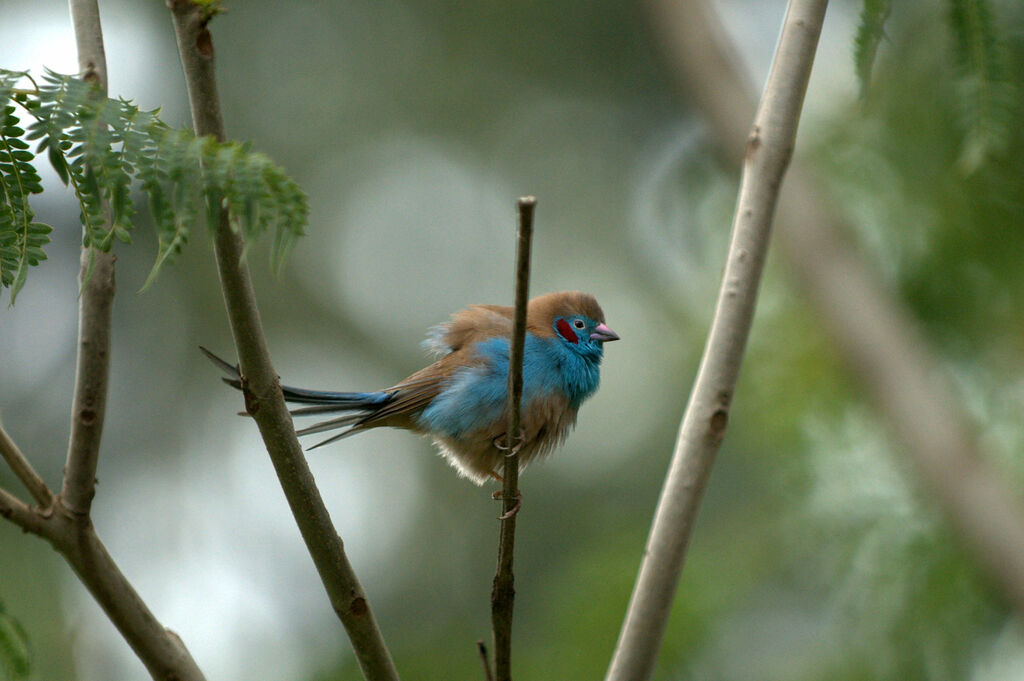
x,y
874,333
18,512
503,591
264,400
482,649
24,470
769,148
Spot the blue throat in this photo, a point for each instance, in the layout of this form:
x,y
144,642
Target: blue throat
x,y
475,396
553,365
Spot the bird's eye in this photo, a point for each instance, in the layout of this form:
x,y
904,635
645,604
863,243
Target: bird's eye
x,y
579,323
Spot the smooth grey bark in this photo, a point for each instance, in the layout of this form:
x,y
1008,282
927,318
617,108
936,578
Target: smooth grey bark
x,y
874,333
768,152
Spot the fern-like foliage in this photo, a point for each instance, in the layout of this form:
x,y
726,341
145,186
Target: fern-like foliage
x,y
101,148
21,239
987,93
870,32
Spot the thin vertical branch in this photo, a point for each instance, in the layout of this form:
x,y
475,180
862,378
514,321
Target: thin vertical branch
x,y
263,397
92,57
482,651
769,148
95,305
872,331
503,591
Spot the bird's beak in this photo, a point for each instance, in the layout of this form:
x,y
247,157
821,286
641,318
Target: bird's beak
x,y
603,333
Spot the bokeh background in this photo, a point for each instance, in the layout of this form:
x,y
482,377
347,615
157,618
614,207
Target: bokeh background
x,y
413,126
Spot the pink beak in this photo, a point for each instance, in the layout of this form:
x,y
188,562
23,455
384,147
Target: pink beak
x,y
603,333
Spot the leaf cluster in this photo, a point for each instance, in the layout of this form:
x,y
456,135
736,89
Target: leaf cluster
x,y
21,239
870,32
101,148
986,91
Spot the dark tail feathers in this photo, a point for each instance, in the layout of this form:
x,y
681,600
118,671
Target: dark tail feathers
x,y
358,405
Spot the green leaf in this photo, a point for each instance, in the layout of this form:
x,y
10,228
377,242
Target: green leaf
x,y
18,180
988,93
870,32
100,148
58,163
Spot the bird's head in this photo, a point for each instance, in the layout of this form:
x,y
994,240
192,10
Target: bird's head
x,y
574,318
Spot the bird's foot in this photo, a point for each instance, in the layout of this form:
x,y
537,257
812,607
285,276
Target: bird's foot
x,y
499,495
501,443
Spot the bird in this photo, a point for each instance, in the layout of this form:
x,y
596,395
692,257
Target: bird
x,y
461,400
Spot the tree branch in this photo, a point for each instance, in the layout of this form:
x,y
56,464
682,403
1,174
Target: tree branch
x,y
65,520
92,57
160,650
482,651
263,397
18,512
503,591
769,148
88,408
95,304
875,334
24,470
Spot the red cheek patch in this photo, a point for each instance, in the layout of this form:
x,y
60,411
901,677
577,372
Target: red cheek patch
x,y
566,331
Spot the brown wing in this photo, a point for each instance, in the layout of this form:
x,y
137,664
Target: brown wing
x,y
453,340
475,323
413,394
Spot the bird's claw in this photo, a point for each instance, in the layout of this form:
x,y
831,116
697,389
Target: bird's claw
x,y
500,443
499,495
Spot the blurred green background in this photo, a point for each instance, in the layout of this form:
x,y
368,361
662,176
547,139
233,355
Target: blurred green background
x,y
413,126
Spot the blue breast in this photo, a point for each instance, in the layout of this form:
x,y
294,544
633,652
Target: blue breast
x,y
475,396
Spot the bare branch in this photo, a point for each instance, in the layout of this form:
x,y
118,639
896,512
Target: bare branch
x,y
503,591
875,334
18,512
159,649
769,147
88,408
92,57
95,303
73,536
64,520
264,400
482,650
24,470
